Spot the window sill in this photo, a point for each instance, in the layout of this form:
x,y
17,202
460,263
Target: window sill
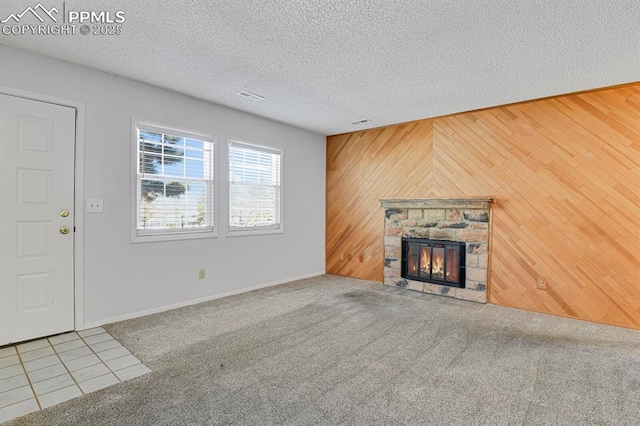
x,y
248,232
151,238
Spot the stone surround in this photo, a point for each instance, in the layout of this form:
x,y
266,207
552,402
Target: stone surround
x,y
452,219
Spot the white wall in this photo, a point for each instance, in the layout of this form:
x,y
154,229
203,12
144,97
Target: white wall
x,y
123,279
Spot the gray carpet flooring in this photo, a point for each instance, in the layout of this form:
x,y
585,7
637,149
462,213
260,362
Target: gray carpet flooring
x,y
337,351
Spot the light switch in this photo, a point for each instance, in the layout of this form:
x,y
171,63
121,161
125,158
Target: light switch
x,y
94,205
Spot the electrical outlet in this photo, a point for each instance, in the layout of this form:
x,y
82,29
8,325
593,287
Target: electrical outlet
x,y
541,283
361,258
349,256
202,274
341,256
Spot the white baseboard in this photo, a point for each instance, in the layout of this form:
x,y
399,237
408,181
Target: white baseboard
x,y
195,302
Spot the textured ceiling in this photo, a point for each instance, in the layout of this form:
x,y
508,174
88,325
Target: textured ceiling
x,y
322,64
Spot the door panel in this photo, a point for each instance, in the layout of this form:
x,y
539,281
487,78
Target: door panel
x,y
34,239
37,142
34,292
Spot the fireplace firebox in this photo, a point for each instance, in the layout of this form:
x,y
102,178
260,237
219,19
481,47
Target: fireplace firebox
x,y
434,261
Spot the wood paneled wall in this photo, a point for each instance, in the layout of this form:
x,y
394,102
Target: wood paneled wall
x,y
565,173
363,167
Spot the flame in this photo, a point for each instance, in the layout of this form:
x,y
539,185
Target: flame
x,y
438,265
424,261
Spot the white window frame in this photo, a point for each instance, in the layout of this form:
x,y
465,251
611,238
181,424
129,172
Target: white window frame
x,y
257,230
178,234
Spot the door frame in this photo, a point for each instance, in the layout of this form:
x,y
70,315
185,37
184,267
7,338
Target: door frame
x,y
78,193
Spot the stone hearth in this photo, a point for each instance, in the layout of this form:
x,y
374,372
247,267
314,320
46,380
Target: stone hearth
x,y
466,220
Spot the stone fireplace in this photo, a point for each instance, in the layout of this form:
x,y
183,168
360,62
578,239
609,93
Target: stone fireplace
x,y
420,241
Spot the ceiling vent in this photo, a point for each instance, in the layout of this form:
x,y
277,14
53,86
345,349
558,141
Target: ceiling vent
x,y
364,120
251,96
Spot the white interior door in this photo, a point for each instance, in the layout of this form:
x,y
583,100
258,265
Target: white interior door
x,y
37,143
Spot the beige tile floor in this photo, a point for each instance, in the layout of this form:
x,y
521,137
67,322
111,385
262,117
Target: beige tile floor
x,y
45,372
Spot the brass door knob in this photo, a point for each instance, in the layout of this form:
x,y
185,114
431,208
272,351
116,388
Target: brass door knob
x,y
64,230
64,213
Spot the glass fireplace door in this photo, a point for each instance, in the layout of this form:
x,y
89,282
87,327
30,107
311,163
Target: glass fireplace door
x,y
438,262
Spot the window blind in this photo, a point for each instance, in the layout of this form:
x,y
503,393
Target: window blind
x,y
174,182
254,187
